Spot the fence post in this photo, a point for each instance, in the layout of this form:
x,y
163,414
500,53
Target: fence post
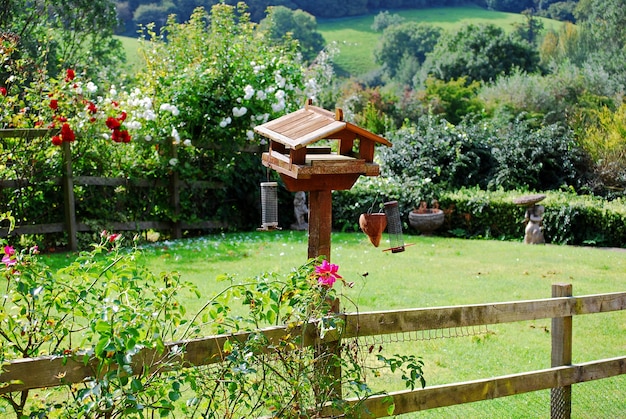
x,y
561,397
68,197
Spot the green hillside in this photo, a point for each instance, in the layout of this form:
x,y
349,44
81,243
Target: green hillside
x,y
356,39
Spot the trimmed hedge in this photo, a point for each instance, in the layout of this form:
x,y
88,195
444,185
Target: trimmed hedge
x,y
473,213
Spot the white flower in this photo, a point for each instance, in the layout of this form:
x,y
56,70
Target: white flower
x,y
170,108
277,107
249,92
239,111
78,88
134,124
175,136
173,161
112,91
260,94
187,143
225,122
149,115
250,134
148,138
91,87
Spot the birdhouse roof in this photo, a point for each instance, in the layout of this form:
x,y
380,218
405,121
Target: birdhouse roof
x,y
310,124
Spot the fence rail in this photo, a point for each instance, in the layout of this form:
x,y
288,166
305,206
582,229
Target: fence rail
x,y
53,371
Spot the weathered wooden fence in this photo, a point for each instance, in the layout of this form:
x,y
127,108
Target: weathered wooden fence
x,y
47,371
72,226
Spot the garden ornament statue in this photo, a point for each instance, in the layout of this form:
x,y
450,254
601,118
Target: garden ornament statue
x,y
300,211
533,218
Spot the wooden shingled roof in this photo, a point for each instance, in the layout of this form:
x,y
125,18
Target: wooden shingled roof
x,y
310,124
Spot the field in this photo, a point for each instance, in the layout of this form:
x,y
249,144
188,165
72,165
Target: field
x,y
355,38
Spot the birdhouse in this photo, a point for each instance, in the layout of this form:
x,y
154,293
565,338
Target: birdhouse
x,y
346,153
343,153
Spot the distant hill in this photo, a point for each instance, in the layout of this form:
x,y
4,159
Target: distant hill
x,y
356,39
134,12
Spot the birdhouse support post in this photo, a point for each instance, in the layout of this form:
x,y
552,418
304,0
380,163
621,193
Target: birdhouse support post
x,y
320,223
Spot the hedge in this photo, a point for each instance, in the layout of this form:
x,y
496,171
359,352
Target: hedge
x,y
474,213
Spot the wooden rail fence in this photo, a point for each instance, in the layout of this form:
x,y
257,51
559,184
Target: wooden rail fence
x,y
45,371
68,181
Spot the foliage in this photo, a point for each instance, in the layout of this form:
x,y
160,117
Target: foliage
x,y
454,99
62,34
104,305
384,19
298,25
479,52
398,42
603,140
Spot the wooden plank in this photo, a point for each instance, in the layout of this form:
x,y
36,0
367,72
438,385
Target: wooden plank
x,y
388,322
561,354
26,133
490,388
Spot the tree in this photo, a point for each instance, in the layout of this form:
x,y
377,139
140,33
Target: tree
x,y
297,24
63,33
603,25
479,52
529,31
384,19
411,39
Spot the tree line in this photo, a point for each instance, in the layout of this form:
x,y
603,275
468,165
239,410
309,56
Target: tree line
x,y
140,12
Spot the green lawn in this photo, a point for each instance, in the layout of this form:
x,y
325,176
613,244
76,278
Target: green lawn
x,y
433,272
356,40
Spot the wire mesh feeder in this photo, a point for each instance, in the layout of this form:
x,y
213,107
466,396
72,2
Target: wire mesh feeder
x,y
269,206
394,227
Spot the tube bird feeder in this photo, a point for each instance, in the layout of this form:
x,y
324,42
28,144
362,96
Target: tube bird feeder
x,y
269,206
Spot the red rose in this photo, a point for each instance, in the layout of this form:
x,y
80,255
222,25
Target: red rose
x,y
112,123
125,136
91,107
69,75
3,91
56,140
122,117
67,134
54,104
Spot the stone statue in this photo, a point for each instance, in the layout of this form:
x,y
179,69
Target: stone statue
x,y
534,225
300,211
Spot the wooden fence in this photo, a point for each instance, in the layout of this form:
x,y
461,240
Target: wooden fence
x,y
72,226
46,371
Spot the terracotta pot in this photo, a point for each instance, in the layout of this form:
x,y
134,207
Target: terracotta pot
x,y
373,225
426,222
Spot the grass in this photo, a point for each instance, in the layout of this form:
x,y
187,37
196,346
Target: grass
x,y
356,40
433,272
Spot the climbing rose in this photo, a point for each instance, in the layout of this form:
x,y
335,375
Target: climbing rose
x,y
69,75
54,104
3,91
56,140
112,123
327,274
9,259
66,133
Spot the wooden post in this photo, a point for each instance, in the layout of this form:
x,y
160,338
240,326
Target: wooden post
x,y
68,197
561,397
320,223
